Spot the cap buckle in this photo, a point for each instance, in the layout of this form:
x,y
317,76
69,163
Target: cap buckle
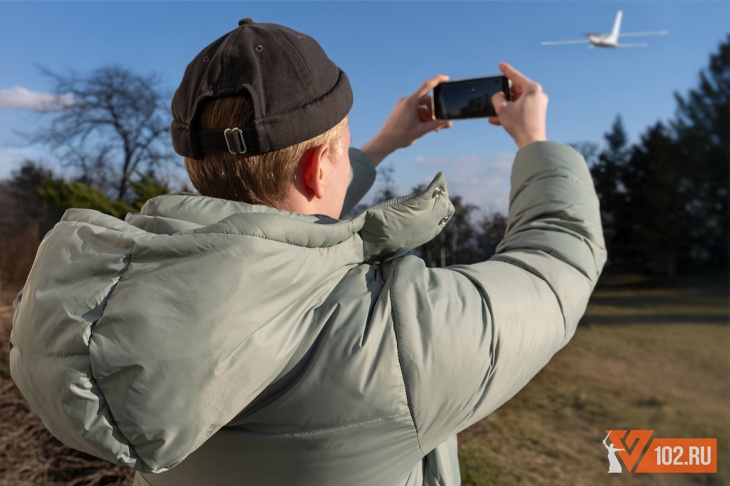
x,y
234,140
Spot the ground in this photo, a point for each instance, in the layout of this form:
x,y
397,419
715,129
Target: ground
x,y
647,355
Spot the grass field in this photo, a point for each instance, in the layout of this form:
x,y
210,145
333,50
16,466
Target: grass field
x,y
647,355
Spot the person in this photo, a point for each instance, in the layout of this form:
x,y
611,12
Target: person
x,y
247,335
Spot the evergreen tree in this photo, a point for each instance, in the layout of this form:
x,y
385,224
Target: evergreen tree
x,y
60,195
35,196
652,225
609,172
664,201
702,130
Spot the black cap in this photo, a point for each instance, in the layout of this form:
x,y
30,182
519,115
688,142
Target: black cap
x,y
297,91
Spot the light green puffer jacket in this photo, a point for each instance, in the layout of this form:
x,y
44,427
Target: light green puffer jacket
x,y
231,344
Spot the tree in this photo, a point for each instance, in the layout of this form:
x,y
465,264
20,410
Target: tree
x,y
702,131
609,172
664,200
35,197
20,200
23,221
490,231
112,128
652,223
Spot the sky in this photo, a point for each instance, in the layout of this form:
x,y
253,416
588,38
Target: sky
x,y
388,50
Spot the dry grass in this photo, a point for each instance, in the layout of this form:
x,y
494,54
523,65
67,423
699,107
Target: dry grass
x,y
645,358
17,252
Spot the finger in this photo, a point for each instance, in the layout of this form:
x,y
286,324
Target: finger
x,y
429,85
425,100
513,74
424,113
495,121
436,125
499,101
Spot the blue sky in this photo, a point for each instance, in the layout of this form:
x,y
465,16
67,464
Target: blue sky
x,y
388,49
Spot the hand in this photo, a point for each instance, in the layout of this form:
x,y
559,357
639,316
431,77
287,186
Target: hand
x,y
410,120
523,117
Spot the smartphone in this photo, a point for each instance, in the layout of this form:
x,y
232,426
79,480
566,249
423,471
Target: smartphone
x,y
467,98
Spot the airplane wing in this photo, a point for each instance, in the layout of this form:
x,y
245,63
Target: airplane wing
x,y
553,43
631,45
637,34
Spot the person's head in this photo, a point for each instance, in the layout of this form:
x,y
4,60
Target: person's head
x,y
261,117
279,179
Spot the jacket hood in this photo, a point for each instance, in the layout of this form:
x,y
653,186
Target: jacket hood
x,y
196,303
386,230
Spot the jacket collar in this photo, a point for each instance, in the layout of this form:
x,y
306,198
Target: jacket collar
x,y
386,230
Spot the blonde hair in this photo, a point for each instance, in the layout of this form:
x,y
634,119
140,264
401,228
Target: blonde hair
x,y
255,179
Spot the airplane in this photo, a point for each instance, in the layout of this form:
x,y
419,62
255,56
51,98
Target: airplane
x,y
609,40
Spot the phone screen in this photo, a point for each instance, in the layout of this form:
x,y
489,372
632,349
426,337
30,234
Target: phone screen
x,y
467,98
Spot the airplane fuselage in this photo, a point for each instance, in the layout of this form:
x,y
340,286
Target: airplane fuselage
x,y
602,40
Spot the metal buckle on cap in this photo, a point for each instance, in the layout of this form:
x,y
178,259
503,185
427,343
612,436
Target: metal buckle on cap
x,y
234,140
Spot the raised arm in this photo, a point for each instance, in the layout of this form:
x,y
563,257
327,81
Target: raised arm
x,y
410,120
471,336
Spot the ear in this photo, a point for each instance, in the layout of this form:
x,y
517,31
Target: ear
x,y
314,171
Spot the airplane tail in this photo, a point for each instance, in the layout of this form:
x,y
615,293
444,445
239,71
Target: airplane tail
x,y
616,26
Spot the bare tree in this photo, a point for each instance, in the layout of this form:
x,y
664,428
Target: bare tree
x,y
113,124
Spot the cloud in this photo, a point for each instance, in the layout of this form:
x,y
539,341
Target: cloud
x,y
479,180
20,98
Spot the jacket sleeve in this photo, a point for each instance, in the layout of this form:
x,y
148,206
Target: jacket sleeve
x,y
362,177
470,337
